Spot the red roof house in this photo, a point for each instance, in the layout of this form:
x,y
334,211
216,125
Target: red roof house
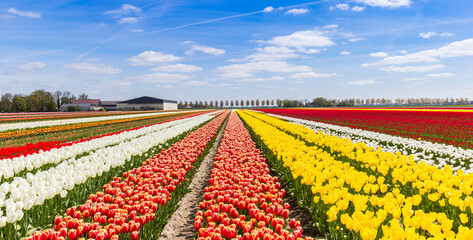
x,y
95,102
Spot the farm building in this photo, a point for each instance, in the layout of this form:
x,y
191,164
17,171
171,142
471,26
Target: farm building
x,y
77,107
110,105
147,103
93,102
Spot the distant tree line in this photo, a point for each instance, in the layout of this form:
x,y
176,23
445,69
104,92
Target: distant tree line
x,y
37,101
226,103
323,102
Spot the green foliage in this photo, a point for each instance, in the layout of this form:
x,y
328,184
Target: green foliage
x,y
75,108
18,104
320,102
6,102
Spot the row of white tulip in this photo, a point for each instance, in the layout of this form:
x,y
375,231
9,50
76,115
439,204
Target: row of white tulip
x,y
9,169
431,153
48,123
34,189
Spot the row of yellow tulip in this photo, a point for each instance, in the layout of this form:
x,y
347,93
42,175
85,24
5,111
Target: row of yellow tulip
x,y
358,192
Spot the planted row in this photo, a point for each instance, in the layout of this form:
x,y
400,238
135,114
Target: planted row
x,y
39,127
451,126
243,201
21,198
33,143
356,192
436,154
137,203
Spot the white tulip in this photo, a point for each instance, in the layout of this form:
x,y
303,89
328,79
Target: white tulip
x,y
46,123
34,189
11,217
3,222
28,204
63,193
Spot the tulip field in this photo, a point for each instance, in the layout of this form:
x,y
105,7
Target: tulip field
x,y
355,173
448,126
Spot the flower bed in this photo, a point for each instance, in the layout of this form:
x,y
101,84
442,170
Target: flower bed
x,y
452,127
59,182
40,127
243,201
31,144
130,205
357,192
436,154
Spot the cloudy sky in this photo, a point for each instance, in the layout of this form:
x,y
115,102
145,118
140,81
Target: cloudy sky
x,y
213,50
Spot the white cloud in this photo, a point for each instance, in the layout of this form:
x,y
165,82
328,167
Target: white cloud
x,y
151,57
343,6
364,82
312,51
454,49
269,53
92,59
24,13
247,69
386,3
205,49
427,35
302,40
379,54
413,79
311,74
274,78
440,75
160,77
344,53
426,68
137,30
358,8
297,11
195,83
356,39
268,9
409,58
129,20
32,66
331,26
236,74
125,9
446,34
96,68
431,34
177,68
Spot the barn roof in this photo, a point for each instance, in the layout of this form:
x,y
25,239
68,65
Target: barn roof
x,y
95,102
146,99
109,102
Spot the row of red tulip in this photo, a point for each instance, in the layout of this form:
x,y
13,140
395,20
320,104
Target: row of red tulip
x,y
136,198
32,148
452,127
243,201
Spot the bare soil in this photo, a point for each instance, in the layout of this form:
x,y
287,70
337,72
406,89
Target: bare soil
x,y
181,224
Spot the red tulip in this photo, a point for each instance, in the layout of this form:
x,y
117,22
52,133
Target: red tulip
x,y
285,213
197,225
72,235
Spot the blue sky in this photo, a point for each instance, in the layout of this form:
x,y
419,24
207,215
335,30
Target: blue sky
x,y
217,50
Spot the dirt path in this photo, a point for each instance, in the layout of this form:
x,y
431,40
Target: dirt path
x,y
181,224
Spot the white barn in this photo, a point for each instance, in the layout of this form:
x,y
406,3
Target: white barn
x,y
146,103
